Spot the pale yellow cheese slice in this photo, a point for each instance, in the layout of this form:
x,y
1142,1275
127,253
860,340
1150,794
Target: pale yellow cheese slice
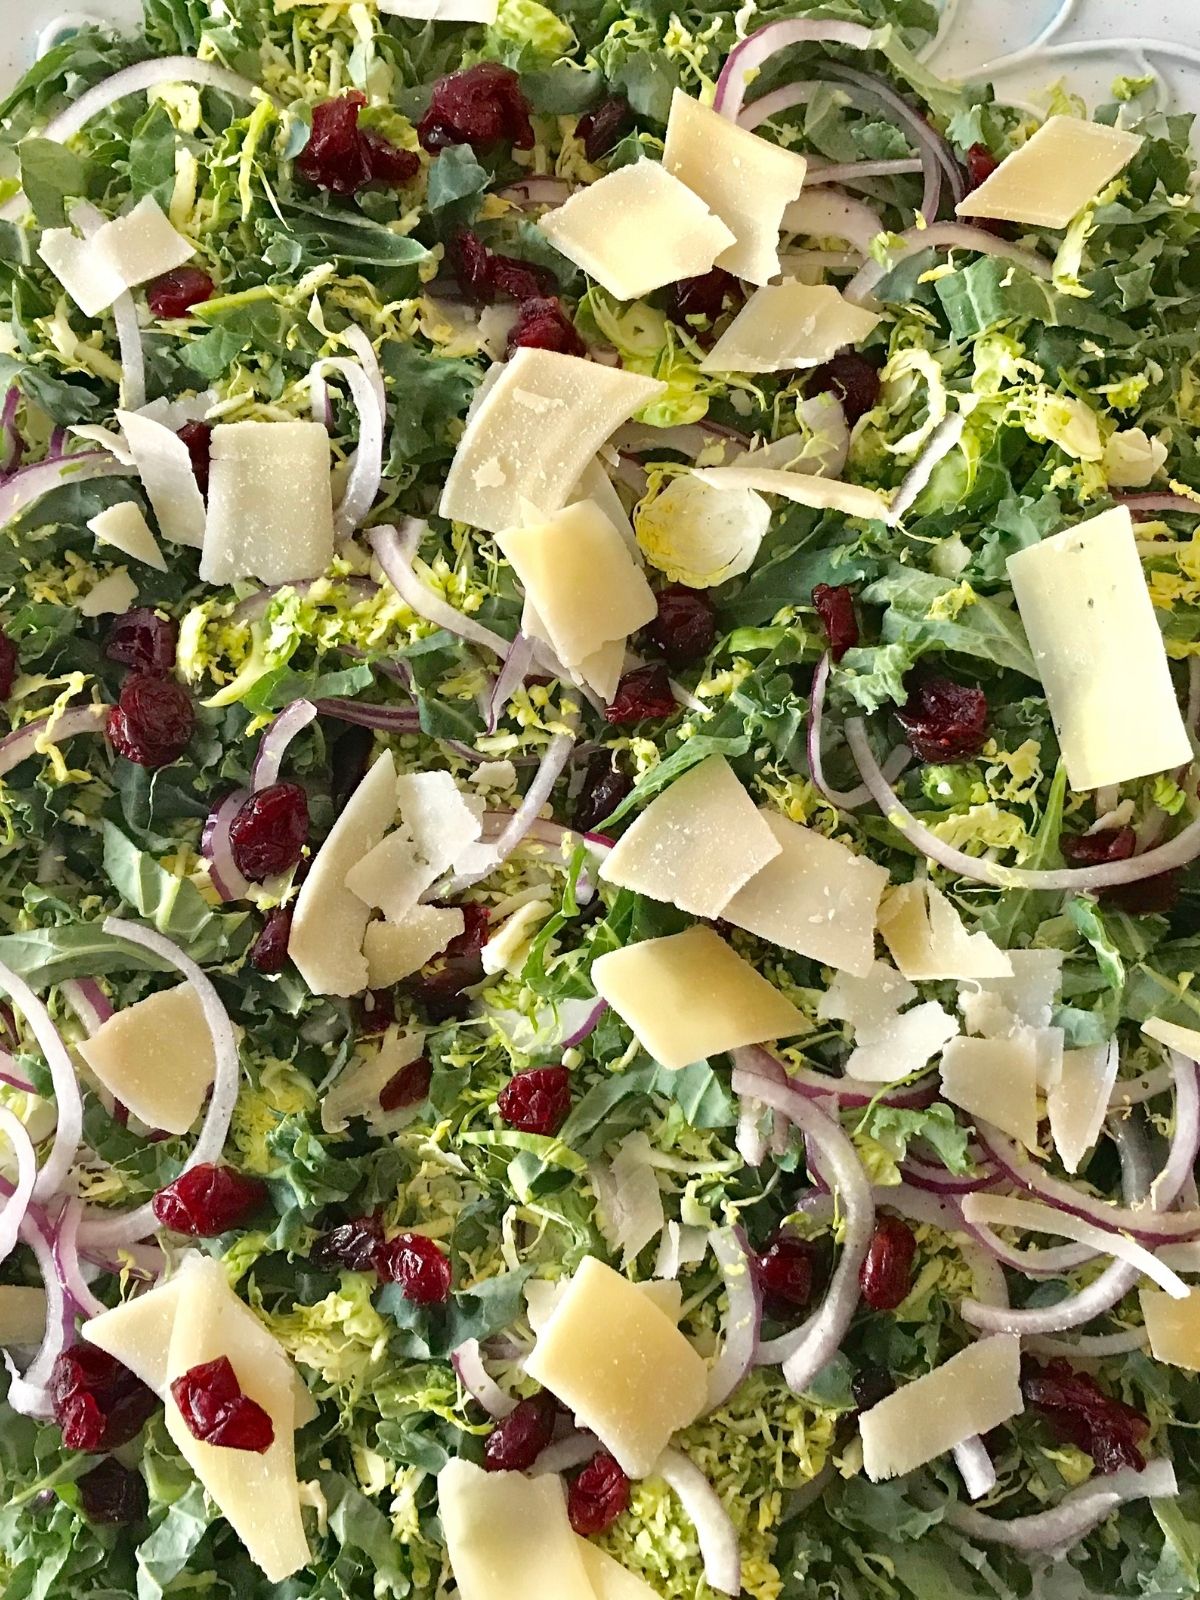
x,y
436,826
270,503
1078,1102
636,229
1173,1327
743,179
1185,1040
689,996
395,950
929,941
788,325
970,1394
817,897
696,843
168,478
110,596
866,1001
995,1006
141,245
508,1536
1083,599
543,1294
609,1579
330,920
900,1044
22,1315
620,1365
125,528
156,1057
1053,176
806,489
996,1079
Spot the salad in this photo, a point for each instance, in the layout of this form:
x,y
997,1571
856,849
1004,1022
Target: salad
x,y
601,648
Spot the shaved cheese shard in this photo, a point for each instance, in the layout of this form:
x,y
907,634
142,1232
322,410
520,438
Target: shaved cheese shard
x,y
996,1079
579,575
689,996
507,948
901,1044
125,528
138,1332
156,1057
1054,174
817,897
636,229
355,1093
1185,1040
868,1000
270,503
168,477
972,1393
543,1294
1173,1327
1078,1103
822,494
508,1535
622,1366
91,282
746,181
111,595
330,920
534,429
436,826
22,1315
442,10
1083,599
789,325
258,1495
395,950
601,671
696,843
700,534
928,940
609,1579
995,1006
118,256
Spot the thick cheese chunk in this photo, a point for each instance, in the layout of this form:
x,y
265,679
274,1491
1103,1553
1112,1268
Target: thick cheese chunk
x,y
996,1079
696,843
22,1315
156,1057
636,229
167,475
689,996
621,1365
536,425
806,489
1078,1102
746,181
270,503
972,1393
817,897
118,256
1173,1327
928,939
395,950
330,920
508,1536
1083,599
1053,176
125,528
579,575
789,325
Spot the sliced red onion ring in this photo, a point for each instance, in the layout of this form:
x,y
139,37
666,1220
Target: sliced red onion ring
x,y
739,1344
387,719
976,1467
821,172
99,1228
1177,852
217,850
17,1203
944,236
1053,1262
514,669
714,1527
29,1392
841,799
24,741
537,191
1155,503
68,1102
1185,1137
366,467
467,1361
938,1181
944,438
574,1451
129,335
587,1027
852,1093
394,549
923,134
272,748
1136,1091
66,1259
24,488
1077,1514
10,1075
12,446
747,59
88,1001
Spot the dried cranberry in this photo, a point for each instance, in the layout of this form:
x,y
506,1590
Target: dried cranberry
x,y
706,296
645,692
176,292
217,1410
542,324
870,1385
602,129
417,1264
343,158
197,436
143,640
944,720
598,1496
481,105
685,628
981,163
1080,1413
1094,849
521,280
471,262
376,1011
835,607
354,1244
605,785
536,1101
267,835
98,1403
886,1273
269,952
440,985
785,1272
208,1200
113,1494
152,721
515,1444
852,378
408,1087
1148,897
10,664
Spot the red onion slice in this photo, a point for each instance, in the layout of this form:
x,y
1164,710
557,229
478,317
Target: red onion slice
x,y
825,213
841,799
129,334
739,1344
714,1527
217,850
1155,503
587,1027
51,728
394,549
1091,1347
537,192
29,1392
17,1203
68,1129
26,487
821,172
944,236
88,1001
1180,1164
387,719
12,446
272,748
924,135
66,1260
574,1451
467,1361
747,59
976,1467
514,669
801,1083
1077,1514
